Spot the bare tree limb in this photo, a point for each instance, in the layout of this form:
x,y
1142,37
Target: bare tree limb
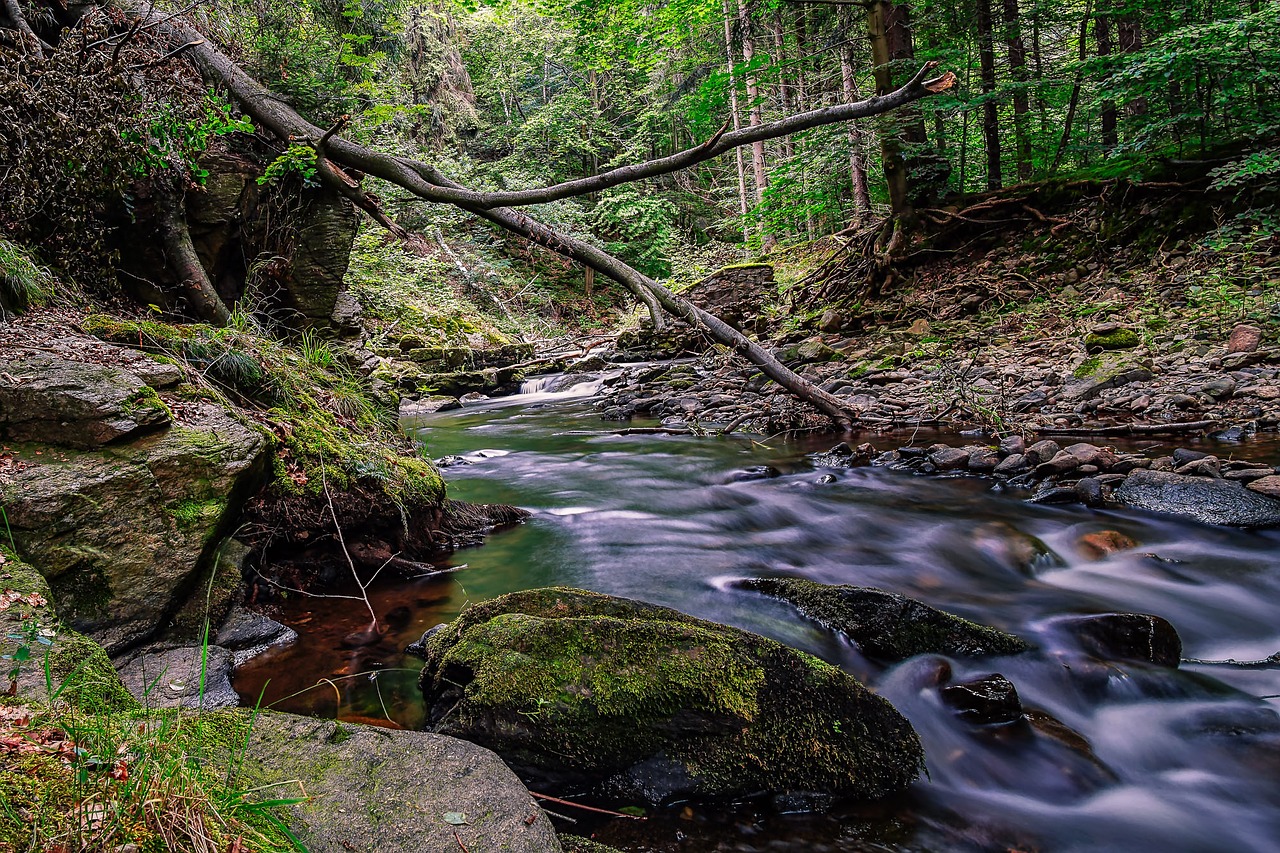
x,y
428,183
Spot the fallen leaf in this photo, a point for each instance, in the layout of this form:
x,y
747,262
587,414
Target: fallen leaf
x,y
455,818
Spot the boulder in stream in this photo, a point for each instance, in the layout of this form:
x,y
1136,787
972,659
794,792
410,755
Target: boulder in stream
x,y
885,625
1207,500
573,687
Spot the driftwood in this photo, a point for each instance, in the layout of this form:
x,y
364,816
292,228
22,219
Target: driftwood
x,y
1132,429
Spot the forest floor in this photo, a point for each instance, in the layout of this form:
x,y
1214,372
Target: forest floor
x,y
1117,306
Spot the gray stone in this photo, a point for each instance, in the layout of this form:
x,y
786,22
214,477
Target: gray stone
x,y
1061,463
410,409
1219,389
1042,451
983,460
191,677
949,458
121,532
74,404
1010,465
1204,500
382,791
244,629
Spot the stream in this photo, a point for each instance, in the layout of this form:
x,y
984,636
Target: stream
x,y
1185,759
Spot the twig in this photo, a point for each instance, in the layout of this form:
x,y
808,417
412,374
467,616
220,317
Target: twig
x,y
364,589
1132,429
458,838
571,804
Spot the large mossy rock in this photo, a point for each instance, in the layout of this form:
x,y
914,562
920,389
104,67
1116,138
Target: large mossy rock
x,y
382,791
123,532
886,625
74,404
572,687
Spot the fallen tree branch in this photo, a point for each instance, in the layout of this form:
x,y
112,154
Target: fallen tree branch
x,y
1132,429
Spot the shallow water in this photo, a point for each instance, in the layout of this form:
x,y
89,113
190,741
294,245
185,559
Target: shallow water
x,y
1183,759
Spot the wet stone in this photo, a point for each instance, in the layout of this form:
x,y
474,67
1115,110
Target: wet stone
x,y
1125,636
988,701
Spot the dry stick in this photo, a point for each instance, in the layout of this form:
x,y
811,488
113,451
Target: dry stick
x,y
364,589
572,804
1132,429
458,838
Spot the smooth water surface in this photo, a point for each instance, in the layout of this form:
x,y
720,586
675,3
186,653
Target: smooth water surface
x,y
1182,759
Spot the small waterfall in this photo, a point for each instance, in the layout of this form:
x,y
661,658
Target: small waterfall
x,y
541,384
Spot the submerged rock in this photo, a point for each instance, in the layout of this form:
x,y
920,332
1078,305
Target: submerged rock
x,y
886,625
1206,500
988,701
573,686
1125,636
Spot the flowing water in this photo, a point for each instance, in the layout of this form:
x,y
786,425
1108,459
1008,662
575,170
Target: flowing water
x,y
1185,759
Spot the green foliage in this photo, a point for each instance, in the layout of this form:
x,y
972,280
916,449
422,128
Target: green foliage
x,y
637,227
298,160
23,282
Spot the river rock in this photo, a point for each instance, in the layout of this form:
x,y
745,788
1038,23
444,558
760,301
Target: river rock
x,y
949,458
575,686
1125,636
122,532
886,625
428,406
383,791
193,677
988,701
74,404
1205,500
1244,338
843,456
1103,543
1268,485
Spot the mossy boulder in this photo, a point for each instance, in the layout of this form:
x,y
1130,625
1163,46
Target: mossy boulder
x,y
123,532
573,687
885,625
1113,339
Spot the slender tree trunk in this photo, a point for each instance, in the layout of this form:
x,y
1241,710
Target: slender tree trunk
x,y
784,92
1017,51
1102,35
744,205
879,17
1082,38
755,117
857,158
990,113
1129,32
803,101
202,298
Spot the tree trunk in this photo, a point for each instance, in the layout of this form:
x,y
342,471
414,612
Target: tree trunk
x,y
744,205
784,90
857,159
1102,35
755,118
1074,101
889,29
990,114
203,301
802,101
1017,51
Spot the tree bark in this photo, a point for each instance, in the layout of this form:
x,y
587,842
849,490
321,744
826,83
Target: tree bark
x,y
1102,35
1017,51
990,114
736,115
1074,101
202,298
857,158
755,117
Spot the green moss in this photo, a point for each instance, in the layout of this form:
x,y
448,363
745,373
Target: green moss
x,y
565,678
82,674
198,513
577,844
1119,339
145,398
139,333
1087,368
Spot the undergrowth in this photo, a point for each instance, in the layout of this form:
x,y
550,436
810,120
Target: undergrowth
x,y
319,411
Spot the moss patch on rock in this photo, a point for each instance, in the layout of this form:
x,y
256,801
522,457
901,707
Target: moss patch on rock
x,y
570,684
1117,339
886,625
